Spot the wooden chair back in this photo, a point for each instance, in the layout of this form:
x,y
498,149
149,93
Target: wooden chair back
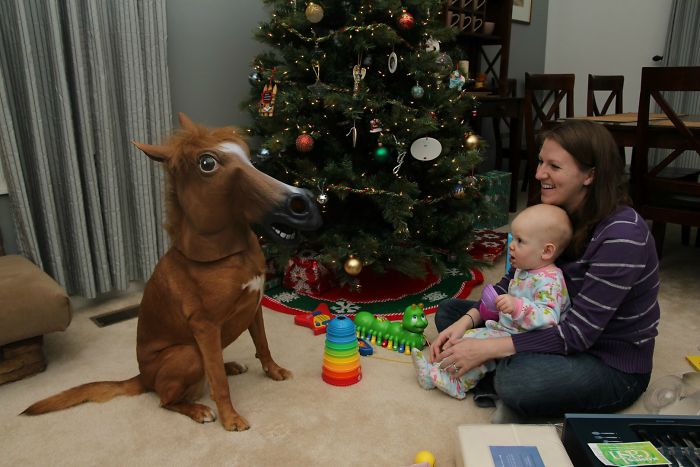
x,y
545,94
664,194
613,84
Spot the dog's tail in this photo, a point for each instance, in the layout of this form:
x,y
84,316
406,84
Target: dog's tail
x,y
101,391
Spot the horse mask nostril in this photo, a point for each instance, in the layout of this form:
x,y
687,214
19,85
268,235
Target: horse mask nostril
x,y
298,205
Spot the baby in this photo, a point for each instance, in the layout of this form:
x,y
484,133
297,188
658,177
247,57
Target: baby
x,y
536,298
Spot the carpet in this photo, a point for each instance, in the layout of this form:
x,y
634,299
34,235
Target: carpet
x,y
388,297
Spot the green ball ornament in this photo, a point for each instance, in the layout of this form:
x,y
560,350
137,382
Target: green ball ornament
x,y
417,91
381,154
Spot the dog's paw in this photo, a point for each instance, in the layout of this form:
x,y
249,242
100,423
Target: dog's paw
x,y
278,373
235,368
235,423
201,413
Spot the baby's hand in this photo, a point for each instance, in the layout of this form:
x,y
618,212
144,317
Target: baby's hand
x,y
505,304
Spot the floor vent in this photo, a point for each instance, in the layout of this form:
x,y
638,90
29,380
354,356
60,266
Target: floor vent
x,y
117,316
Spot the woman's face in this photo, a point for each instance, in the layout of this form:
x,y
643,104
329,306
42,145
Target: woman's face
x,y
562,182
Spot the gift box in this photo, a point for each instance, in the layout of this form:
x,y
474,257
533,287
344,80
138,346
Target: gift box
x,y
496,195
306,275
488,245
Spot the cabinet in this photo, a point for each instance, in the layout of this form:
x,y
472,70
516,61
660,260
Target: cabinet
x,y
483,37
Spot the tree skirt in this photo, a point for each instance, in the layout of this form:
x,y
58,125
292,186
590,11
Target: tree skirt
x,y
387,295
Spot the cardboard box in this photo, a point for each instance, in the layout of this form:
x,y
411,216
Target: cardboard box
x,y
474,442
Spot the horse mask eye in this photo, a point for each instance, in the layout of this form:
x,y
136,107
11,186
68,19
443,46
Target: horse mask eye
x,y
207,163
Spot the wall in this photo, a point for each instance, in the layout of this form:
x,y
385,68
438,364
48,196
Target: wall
x,y
210,49
527,44
604,37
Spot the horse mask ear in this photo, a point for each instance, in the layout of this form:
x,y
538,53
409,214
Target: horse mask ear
x,y
185,122
157,153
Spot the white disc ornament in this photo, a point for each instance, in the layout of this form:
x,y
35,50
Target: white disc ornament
x,y
426,149
393,62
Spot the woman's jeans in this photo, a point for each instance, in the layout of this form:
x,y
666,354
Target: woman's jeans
x,y
539,384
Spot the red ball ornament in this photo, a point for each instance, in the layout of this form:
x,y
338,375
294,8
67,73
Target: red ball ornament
x,y
406,20
305,143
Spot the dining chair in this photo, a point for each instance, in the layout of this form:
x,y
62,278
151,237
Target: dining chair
x,y
611,83
545,95
661,193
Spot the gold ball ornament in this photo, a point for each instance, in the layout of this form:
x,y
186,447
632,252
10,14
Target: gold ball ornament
x,y
353,266
471,141
314,12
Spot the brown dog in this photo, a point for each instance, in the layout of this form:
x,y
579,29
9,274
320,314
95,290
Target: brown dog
x,y
207,288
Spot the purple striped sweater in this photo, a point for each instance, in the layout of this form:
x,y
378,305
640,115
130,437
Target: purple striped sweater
x,y
613,288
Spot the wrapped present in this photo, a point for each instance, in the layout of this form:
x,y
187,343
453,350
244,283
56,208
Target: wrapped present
x,y
496,192
308,276
488,245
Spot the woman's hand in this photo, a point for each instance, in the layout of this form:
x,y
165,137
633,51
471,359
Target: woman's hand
x,y
466,353
452,333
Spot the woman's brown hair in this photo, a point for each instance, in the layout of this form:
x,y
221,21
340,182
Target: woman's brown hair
x,y
592,147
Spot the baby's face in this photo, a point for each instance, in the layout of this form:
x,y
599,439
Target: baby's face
x,y
527,245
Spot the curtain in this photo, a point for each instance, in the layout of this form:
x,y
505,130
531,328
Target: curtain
x,y
80,79
683,49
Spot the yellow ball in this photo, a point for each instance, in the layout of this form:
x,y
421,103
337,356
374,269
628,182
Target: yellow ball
x,y
425,456
353,266
314,12
471,141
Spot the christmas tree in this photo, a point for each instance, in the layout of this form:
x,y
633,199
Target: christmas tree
x,y
361,103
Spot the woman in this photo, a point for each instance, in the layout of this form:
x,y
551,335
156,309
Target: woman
x,y
599,357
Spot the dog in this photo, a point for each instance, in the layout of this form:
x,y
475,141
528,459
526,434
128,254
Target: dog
x,y
207,288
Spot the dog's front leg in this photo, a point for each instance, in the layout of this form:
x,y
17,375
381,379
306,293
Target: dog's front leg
x,y
262,350
208,337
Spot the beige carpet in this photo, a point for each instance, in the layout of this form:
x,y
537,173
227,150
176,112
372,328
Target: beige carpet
x,y
383,420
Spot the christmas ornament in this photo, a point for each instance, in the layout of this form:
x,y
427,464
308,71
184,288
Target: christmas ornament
x,y
358,74
393,62
475,113
353,132
457,80
322,199
267,98
445,62
352,266
471,141
432,45
263,154
381,154
406,20
417,91
426,149
318,89
314,12
254,77
375,125
458,191
304,143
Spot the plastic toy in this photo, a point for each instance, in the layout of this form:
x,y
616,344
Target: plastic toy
x,y
315,320
398,336
365,347
425,456
341,359
487,307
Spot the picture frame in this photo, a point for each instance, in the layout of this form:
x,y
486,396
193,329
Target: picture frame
x,y
522,11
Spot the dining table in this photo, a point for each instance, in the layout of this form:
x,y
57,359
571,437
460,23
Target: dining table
x,y
662,134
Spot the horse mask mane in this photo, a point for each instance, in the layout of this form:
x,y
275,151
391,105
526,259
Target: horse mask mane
x,y
214,193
